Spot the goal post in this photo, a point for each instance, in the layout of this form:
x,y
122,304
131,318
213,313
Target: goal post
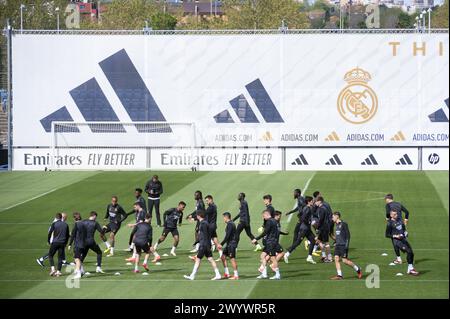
x,y
78,138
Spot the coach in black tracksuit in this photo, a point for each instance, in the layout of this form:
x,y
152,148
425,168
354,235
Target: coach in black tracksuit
x,y
244,219
154,189
60,231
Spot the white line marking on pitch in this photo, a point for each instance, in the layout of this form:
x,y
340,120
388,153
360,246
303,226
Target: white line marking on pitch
x,y
214,282
28,200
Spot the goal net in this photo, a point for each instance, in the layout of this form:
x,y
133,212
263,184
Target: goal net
x,y
116,145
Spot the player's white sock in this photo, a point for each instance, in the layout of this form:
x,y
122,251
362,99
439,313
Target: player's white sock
x,y
220,253
315,248
107,244
355,267
194,270
277,272
399,258
172,251
136,267
145,259
287,254
134,255
339,272
216,270
112,250
264,272
197,246
324,254
410,267
132,246
236,274
329,256
53,268
225,270
156,246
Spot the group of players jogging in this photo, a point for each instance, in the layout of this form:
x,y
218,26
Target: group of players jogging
x,y
316,225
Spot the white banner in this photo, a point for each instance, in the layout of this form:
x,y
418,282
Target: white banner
x,y
217,159
351,159
435,159
239,90
80,159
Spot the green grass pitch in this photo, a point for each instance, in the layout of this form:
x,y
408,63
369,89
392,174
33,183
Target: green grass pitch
x,y
28,202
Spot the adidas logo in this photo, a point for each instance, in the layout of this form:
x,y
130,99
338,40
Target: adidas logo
x,y
333,137
439,116
266,137
300,160
404,160
129,87
370,160
244,111
398,137
335,160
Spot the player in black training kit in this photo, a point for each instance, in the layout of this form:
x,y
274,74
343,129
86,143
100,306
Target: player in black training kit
x,y
271,232
204,236
303,230
396,230
244,221
91,226
228,246
154,189
199,206
172,218
211,218
399,208
280,250
115,214
142,239
139,216
78,239
41,259
323,227
60,233
341,247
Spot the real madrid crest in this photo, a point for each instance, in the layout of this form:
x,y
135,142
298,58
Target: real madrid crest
x,y
357,103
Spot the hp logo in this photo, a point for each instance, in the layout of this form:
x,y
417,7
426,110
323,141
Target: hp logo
x,y
433,158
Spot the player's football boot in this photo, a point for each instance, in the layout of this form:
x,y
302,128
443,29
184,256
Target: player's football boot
x,y
173,254
99,270
136,271
156,259
275,277
337,277
257,247
40,262
145,267
310,260
317,253
188,277
234,278
131,260
359,272
193,258
413,272
286,258
262,276
52,273
110,255
226,276
58,274
107,250
397,261
216,277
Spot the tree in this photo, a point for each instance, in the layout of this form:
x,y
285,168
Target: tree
x,y
264,14
405,21
439,16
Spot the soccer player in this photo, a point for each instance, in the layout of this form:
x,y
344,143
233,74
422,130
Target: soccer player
x,y
341,248
139,198
300,202
267,199
396,230
59,230
399,208
323,228
199,206
303,230
244,221
172,217
142,239
41,259
228,246
204,250
115,214
271,232
91,226
154,189
139,214
280,251
78,238
211,218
